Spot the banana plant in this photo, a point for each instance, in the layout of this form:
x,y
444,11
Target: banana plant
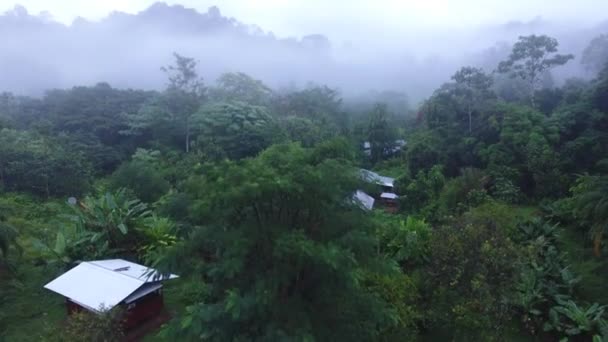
x,y
572,319
111,217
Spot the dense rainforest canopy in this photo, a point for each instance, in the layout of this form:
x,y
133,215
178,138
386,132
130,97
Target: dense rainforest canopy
x,y
247,193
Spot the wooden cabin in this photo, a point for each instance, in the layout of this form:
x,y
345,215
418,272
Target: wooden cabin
x,y
101,285
390,201
385,195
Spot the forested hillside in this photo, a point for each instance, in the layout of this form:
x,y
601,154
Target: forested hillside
x,y
246,192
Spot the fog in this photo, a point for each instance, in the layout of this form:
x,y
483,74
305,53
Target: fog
x,y
43,51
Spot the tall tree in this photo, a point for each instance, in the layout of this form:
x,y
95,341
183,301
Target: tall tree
x,y
240,87
238,129
184,93
473,87
532,56
379,133
318,103
285,254
595,55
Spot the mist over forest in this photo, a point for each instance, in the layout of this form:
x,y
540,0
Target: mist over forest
x,y
174,175
127,50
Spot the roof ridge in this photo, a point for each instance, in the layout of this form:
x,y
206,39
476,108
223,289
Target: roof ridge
x,y
116,272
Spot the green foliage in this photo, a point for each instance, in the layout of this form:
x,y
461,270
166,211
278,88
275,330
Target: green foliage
x,y
240,130
180,101
532,56
240,87
473,88
469,277
92,327
401,291
466,191
286,254
8,237
320,104
262,232
591,205
571,320
303,130
142,177
380,134
423,190
41,165
423,152
158,233
110,220
27,311
525,156
595,55
405,241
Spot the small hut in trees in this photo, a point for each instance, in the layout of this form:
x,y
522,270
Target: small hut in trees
x,y
385,192
101,285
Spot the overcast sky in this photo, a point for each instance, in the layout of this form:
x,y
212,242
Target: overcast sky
x,y
346,19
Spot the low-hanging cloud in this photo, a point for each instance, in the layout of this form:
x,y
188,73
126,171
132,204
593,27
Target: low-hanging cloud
x,y
127,50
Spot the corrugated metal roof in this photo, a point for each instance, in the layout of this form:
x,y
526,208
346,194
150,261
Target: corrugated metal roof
x,y
132,269
102,283
142,291
364,200
388,195
94,287
373,177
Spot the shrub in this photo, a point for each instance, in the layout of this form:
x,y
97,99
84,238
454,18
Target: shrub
x,y
145,181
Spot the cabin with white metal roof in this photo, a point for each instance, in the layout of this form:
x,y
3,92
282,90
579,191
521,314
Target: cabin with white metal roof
x,y
101,285
386,195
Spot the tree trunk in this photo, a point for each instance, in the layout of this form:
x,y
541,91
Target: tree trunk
x,y
597,243
48,192
187,135
2,183
470,120
532,96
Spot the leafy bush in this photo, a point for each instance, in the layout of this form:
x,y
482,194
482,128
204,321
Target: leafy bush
x,y
423,190
99,227
468,279
92,327
41,165
146,182
465,191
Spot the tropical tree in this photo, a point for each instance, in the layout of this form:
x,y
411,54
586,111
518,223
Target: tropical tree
x,y
285,252
470,274
41,165
380,134
142,174
240,87
111,217
531,57
595,55
473,88
303,130
238,129
320,104
184,93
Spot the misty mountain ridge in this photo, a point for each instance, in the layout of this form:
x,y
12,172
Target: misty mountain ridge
x,y
127,50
